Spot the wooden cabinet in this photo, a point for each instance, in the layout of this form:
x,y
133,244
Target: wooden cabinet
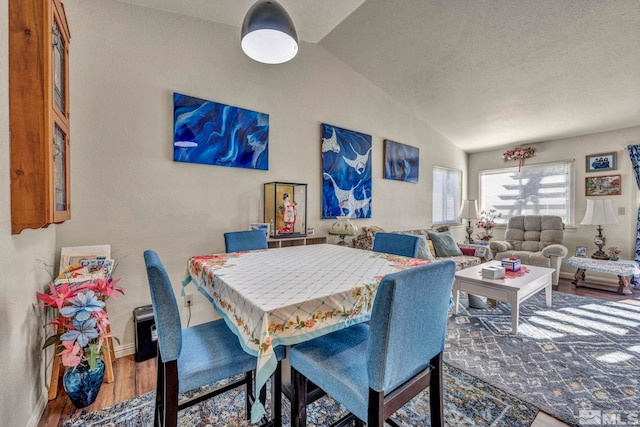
x,y
296,241
38,113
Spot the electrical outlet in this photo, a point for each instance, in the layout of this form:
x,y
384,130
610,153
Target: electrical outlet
x,y
188,300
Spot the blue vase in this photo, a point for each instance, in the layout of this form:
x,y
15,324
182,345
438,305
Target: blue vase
x,y
83,384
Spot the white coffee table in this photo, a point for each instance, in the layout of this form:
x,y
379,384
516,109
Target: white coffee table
x,y
513,290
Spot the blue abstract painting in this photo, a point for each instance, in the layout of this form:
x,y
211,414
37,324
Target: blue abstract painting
x,y
401,161
346,173
217,134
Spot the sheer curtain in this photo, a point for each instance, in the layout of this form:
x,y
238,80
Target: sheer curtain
x,y
634,154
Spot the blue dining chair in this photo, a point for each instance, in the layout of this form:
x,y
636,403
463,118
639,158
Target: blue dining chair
x,y
396,244
200,355
374,369
236,241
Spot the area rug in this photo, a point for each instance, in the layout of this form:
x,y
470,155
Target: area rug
x,y
579,358
468,401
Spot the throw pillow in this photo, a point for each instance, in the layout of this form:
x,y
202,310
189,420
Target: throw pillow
x,y
432,250
445,244
423,249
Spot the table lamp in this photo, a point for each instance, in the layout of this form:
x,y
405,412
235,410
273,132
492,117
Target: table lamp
x,y
599,212
469,211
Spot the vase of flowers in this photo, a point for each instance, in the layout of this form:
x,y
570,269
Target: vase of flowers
x,y
81,322
487,223
613,253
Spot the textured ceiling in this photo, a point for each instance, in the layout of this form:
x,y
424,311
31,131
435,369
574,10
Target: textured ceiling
x,y
484,73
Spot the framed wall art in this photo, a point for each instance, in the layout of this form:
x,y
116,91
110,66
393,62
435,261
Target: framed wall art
x,y
401,161
601,162
346,173
609,185
217,134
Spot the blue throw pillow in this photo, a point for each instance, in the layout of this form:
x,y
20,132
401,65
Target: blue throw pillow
x,y
444,244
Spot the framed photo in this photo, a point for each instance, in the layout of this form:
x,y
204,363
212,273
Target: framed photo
x,y
401,161
581,251
601,162
262,226
609,185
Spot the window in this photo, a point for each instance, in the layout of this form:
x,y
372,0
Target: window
x,y
447,190
542,189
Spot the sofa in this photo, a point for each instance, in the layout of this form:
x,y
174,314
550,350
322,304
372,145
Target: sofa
x,y
463,258
535,240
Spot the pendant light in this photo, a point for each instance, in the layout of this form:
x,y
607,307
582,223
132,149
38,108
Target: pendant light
x,y
268,34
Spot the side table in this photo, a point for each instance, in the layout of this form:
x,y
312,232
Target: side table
x,y
624,269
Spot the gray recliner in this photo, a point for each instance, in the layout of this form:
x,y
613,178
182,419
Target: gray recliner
x,y
535,240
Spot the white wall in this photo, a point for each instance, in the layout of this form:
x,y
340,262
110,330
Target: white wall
x,y
577,148
126,190
22,395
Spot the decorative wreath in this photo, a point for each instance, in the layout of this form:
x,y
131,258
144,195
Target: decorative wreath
x,y
519,154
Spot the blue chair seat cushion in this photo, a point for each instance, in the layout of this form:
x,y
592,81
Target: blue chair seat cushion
x,y
338,362
211,352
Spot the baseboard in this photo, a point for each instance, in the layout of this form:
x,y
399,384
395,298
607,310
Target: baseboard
x,y
609,279
38,410
124,350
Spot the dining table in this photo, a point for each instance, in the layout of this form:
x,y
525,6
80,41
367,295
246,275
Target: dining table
x,y
285,296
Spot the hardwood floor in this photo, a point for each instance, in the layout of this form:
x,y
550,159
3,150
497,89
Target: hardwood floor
x,y
133,379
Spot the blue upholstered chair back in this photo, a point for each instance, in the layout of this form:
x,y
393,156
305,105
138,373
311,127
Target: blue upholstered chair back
x,y
396,244
236,241
408,323
165,308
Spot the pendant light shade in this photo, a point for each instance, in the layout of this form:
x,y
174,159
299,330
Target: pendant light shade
x,y
268,34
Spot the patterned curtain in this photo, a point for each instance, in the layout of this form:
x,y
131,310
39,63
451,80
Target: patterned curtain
x,y
634,154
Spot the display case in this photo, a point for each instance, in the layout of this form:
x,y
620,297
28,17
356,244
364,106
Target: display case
x,y
38,113
285,209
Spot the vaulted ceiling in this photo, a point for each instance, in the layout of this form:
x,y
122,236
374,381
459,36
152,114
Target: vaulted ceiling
x,y
483,73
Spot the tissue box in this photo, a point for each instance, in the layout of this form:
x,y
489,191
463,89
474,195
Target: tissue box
x,y
493,272
511,264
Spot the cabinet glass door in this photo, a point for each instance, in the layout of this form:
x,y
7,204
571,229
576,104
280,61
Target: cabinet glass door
x,y
58,68
59,169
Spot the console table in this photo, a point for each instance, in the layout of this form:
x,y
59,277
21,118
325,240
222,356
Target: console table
x,y
624,269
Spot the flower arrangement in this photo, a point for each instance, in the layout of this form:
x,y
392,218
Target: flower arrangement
x,y
519,154
487,222
82,320
613,251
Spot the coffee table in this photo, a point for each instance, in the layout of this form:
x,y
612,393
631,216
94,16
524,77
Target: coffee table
x,y
514,288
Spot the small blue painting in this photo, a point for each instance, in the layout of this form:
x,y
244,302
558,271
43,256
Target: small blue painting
x,y
401,161
346,173
217,134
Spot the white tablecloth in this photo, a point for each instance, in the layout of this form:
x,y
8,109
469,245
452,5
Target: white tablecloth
x,y
285,296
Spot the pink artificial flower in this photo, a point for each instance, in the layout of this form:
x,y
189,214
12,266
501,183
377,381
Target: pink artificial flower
x,y
58,295
72,353
107,287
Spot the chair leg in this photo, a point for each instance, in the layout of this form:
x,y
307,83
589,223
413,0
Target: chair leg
x,y
248,401
171,394
299,404
376,409
159,410
276,396
436,392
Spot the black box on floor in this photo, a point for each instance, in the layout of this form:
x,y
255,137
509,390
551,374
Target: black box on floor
x,y
145,331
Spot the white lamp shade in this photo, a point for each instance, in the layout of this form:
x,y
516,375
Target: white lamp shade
x,y
599,212
469,209
268,34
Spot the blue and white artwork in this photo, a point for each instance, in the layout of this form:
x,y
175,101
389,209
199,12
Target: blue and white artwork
x,y
346,173
401,161
217,134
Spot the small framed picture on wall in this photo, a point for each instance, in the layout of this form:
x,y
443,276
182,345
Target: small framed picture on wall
x,y
581,251
609,185
601,162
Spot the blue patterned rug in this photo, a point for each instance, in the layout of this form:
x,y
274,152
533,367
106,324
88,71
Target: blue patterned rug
x,y
583,354
468,402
